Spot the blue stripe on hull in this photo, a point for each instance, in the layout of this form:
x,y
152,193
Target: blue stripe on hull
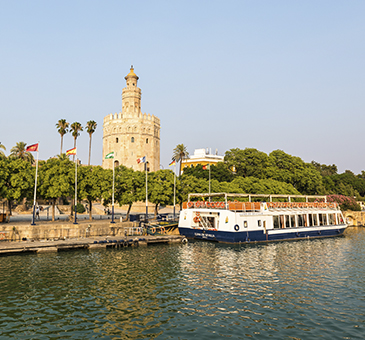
x,y
255,236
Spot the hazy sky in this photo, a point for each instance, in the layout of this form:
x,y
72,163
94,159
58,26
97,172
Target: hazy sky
x,y
227,74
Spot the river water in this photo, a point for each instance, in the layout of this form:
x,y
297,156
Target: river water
x,y
289,290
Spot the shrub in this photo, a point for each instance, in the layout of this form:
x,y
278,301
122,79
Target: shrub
x,y
345,202
80,208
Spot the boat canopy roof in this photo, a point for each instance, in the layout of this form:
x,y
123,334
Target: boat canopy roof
x,y
266,196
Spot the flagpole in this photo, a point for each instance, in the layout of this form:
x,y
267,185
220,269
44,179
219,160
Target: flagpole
x,y
113,191
35,185
209,181
76,188
146,190
174,188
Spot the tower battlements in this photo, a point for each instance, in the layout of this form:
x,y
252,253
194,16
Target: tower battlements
x,y
114,117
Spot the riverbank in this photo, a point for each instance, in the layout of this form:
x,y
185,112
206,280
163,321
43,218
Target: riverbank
x,y
90,243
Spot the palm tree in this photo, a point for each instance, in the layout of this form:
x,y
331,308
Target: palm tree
x,y
62,157
2,154
179,154
19,151
75,128
90,128
62,128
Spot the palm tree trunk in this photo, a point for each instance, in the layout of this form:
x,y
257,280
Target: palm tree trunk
x,y
89,150
61,144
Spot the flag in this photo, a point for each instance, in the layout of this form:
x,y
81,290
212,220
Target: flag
x,y
141,160
172,163
71,152
205,167
32,148
110,155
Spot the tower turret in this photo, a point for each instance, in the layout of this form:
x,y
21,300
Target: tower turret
x,y
131,95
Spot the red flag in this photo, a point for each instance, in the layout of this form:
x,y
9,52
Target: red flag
x,y
32,148
71,152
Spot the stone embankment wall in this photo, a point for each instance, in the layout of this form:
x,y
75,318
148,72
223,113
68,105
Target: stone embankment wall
x,y
52,231
355,218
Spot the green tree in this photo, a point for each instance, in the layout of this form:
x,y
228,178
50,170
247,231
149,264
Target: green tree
x,y
76,128
161,188
179,154
56,180
93,182
19,151
248,162
130,187
62,128
325,170
254,185
90,128
16,180
190,184
220,172
293,170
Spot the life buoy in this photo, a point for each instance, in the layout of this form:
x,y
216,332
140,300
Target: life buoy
x,y
153,230
2,236
222,205
197,213
236,227
197,204
190,204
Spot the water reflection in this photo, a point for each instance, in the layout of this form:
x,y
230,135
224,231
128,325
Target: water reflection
x,y
304,289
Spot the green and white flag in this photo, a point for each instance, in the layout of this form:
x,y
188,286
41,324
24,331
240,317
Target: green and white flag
x,y
110,155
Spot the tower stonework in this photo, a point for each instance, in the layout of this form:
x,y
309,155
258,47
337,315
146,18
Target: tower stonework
x,y
131,134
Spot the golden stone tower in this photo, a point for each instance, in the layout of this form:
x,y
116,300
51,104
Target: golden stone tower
x,y
131,134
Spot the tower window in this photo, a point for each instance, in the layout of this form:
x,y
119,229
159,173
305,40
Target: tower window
x,y
132,140
116,140
146,140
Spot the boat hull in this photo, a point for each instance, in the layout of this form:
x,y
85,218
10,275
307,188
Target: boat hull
x,y
260,235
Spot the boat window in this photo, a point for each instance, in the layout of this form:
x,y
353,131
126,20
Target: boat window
x,y
324,219
305,220
340,219
320,219
287,221
281,219
259,223
315,219
310,219
276,222
245,224
331,219
300,220
292,221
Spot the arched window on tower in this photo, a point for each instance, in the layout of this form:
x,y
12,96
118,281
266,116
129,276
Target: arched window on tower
x,y
132,140
146,140
116,140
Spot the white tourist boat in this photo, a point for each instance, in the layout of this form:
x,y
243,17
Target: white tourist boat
x,y
229,221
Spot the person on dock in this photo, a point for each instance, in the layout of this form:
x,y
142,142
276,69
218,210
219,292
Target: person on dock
x,y
37,213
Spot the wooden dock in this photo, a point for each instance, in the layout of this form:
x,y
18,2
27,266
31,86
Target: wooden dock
x,y
90,243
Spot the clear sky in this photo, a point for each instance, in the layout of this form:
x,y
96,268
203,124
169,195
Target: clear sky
x,y
227,74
